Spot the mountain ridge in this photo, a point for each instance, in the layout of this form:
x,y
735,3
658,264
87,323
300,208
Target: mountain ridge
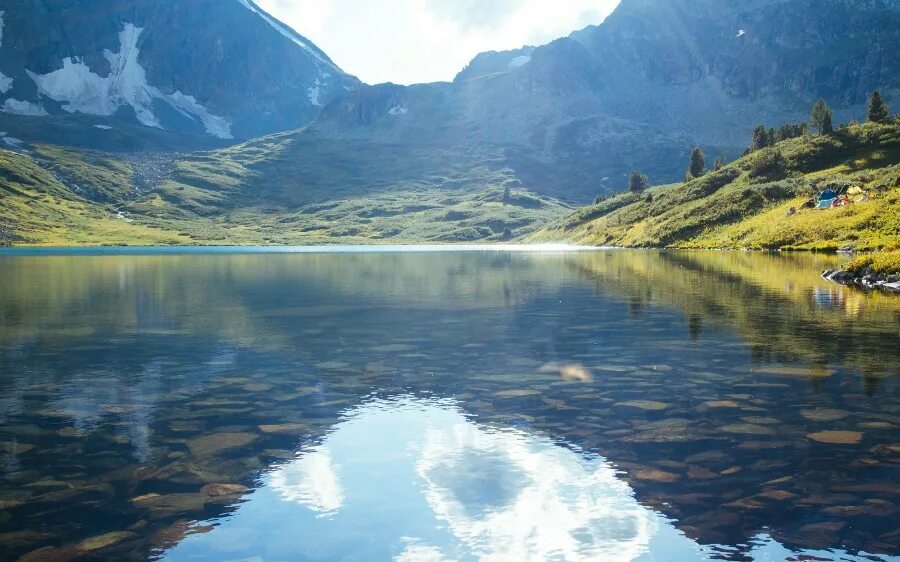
x,y
164,65
556,124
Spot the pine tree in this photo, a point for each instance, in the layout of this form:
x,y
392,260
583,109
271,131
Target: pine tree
x,y
760,137
698,163
637,181
720,163
771,137
820,113
827,127
878,109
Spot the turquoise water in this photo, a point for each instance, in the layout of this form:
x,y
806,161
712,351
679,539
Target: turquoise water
x,y
432,404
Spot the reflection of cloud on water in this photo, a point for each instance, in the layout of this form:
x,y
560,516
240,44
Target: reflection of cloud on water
x,y
311,481
512,497
417,551
415,480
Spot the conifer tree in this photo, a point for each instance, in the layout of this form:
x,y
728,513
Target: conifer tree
x,y
637,181
827,126
878,109
820,113
760,137
719,164
697,166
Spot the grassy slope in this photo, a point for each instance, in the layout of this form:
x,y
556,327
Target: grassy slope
x,y
37,207
729,208
282,189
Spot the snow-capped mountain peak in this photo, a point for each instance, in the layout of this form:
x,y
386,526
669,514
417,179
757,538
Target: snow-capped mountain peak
x,y
165,64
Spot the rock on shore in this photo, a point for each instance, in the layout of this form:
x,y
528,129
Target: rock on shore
x,y
865,279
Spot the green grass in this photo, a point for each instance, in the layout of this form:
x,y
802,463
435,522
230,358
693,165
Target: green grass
x,y
289,188
37,208
885,263
731,208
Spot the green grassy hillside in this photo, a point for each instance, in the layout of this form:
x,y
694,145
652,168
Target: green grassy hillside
x,y
283,189
743,205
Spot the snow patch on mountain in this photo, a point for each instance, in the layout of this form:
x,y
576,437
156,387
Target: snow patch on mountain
x,y
397,110
83,91
19,107
286,31
5,81
188,106
74,83
103,127
519,61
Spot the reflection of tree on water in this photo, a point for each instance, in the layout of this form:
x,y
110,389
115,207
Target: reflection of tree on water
x,y
778,304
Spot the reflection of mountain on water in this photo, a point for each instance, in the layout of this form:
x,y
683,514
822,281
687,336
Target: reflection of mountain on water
x,y
137,376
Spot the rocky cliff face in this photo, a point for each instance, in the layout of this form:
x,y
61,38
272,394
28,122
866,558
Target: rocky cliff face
x,y
221,68
638,91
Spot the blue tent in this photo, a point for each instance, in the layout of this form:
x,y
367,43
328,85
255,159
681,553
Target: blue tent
x,y
827,194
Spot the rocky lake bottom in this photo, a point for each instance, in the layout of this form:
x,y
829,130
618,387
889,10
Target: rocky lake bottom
x,y
445,405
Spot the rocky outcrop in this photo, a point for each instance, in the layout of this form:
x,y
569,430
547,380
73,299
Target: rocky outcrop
x,y
865,279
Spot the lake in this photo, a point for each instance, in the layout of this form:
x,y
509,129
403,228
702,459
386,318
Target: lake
x,y
487,404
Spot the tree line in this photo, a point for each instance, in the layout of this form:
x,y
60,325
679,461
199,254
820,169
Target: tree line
x,y
822,119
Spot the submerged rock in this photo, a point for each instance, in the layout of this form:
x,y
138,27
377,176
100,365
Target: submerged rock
x,y
104,541
837,437
216,490
721,404
777,495
871,508
51,554
258,387
284,428
655,475
747,429
647,405
516,393
15,448
212,444
183,473
174,533
824,414
569,371
174,504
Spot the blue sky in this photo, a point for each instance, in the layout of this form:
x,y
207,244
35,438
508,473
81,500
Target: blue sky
x,y
412,41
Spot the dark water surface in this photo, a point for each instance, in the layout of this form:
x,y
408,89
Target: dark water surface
x,y
482,405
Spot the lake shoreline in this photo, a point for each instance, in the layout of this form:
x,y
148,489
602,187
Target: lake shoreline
x,y
865,279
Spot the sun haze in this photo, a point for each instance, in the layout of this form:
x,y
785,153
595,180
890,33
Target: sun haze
x,y
415,41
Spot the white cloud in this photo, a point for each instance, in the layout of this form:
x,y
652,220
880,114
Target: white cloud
x,y
412,41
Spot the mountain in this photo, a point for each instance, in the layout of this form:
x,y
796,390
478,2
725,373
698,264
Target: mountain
x,y
141,96
762,200
638,91
166,65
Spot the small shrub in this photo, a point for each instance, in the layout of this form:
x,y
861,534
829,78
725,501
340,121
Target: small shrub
x,y
770,165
